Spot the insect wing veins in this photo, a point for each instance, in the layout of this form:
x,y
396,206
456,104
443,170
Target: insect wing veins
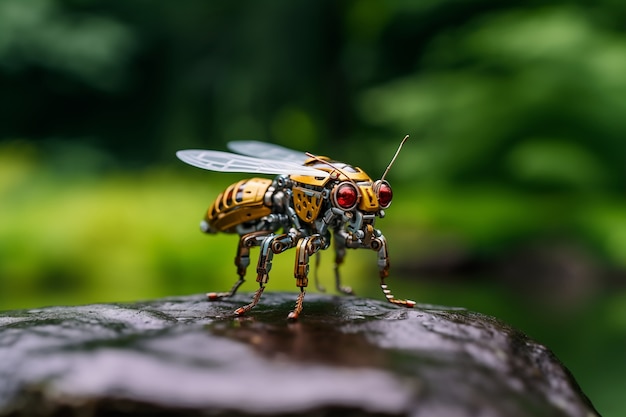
x,y
267,151
229,162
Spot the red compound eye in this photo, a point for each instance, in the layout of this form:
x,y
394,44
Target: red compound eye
x,y
384,194
346,196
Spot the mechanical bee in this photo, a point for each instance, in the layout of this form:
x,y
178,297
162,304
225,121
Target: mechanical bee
x,y
311,199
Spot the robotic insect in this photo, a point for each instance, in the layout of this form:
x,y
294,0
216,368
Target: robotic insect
x,y
310,199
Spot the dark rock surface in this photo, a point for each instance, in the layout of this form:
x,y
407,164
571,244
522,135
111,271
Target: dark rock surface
x,y
346,357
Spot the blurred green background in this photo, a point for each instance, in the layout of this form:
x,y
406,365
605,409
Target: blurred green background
x,y
509,196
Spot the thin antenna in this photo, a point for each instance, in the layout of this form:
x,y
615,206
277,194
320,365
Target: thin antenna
x,y
394,157
318,159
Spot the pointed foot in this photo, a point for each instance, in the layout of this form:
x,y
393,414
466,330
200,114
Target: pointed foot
x,y
402,303
346,290
392,299
216,296
255,299
240,311
295,313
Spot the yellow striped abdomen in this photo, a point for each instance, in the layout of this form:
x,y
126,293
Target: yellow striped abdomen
x,y
240,203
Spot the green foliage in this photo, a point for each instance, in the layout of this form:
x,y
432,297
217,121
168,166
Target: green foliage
x,y
92,240
499,101
90,47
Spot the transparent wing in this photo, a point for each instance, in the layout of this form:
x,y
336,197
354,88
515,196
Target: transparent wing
x,y
267,151
229,162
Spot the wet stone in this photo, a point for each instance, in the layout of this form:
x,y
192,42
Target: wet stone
x,y
346,356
